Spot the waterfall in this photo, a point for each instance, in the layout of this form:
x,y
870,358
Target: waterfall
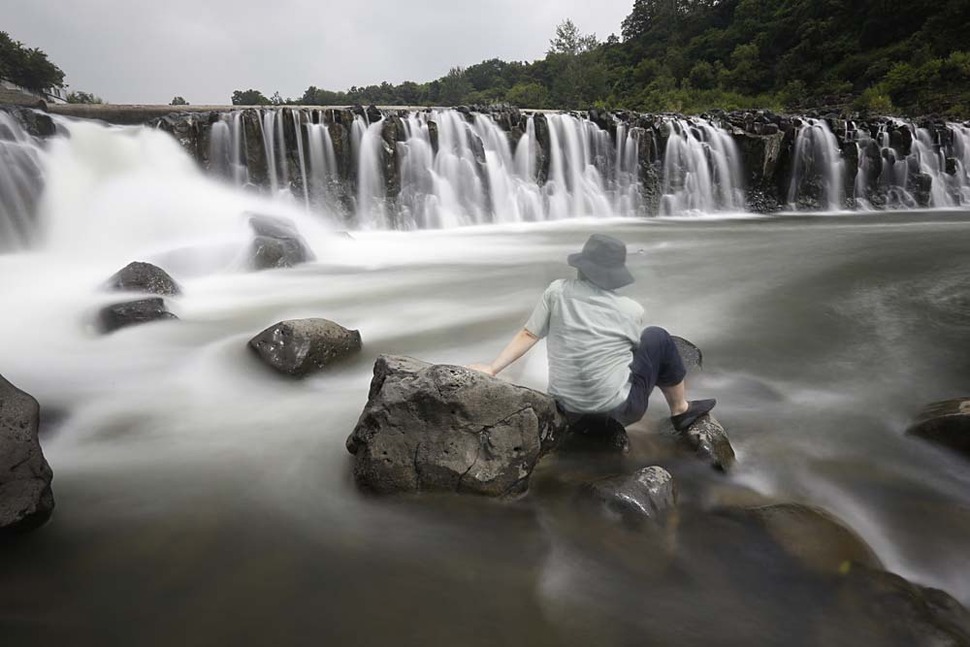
x,y
961,163
298,131
818,167
227,155
323,163
702,169
21,183
370,178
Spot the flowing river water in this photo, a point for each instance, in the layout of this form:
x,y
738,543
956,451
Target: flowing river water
x,y
203,500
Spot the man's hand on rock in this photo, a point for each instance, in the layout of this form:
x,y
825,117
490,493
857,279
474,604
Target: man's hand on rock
x,y
483,368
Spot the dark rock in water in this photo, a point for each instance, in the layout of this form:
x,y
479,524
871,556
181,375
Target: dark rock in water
x,y
691,355
907,613
650,494
144,277
26,499
708,440
303,346
946,423
951,166
819,541
923,189
277,244
132,313
433,427
594,433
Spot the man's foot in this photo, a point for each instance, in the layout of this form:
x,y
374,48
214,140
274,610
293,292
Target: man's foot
x,y
695,410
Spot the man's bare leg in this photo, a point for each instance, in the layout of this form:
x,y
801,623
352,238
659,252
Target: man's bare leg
x,y
676,397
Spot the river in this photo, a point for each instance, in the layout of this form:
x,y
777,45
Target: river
x,y
202,499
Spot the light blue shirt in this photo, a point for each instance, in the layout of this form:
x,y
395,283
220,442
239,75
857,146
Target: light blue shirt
x,y
591,335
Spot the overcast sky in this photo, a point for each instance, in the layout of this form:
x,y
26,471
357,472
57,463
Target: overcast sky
x,y
148,51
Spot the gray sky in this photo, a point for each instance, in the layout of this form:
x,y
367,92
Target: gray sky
x,y
147,51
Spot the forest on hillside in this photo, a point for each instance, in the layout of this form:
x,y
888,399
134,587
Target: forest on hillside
x,y
870,56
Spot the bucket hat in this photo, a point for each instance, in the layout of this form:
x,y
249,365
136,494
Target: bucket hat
x,y
603,262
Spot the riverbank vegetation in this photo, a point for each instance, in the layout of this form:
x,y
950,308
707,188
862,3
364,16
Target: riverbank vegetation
x,y
872,56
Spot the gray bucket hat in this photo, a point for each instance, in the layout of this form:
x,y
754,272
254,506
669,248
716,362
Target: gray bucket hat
x,y
603,262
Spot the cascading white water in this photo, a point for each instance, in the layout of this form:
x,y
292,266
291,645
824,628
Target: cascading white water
x,y
932,163
323,162
817,157
961,160
227,153
21,183
371,208
702,170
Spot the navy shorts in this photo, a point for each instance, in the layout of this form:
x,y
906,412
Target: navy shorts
x,y
655,363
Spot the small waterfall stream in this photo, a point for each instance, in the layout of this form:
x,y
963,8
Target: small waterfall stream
x,y
818,168
21,183
702,170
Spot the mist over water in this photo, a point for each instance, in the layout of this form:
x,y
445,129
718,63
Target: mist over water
x,y
204,500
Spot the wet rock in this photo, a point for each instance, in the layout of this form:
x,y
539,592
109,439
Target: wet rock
x,y
433,427
811,535
144,277
945,423
594,433
761,156
707,439
26,498
951,166
277,244
690,354
133,313
302,346
648,495
907,613
923,189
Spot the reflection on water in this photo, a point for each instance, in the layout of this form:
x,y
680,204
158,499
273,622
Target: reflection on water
x,y
204,500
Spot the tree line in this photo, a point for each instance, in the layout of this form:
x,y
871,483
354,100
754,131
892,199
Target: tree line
x,y
885,56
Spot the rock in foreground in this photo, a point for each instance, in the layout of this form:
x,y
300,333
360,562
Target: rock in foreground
x,y
946,423
648,495
708,440
144,277
302,346
132,313
446,428
277,244
26,499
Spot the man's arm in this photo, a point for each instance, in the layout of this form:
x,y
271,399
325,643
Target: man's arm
x,y
519,346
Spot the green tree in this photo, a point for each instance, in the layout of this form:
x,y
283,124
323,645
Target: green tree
x,y
454,87
83,97
28,67
528,95
570,42
179,101
249,98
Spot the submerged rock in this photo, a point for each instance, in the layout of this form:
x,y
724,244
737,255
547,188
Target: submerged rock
x,y
811,535
132,313
648,495
302,346
277,244
430,427
945,423
144,277
26,499
906,613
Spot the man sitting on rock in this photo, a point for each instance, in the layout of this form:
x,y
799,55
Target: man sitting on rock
x,y
601,359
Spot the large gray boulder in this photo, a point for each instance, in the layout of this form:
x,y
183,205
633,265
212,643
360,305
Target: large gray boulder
x,y
945,423
446,428
133,313
648,495
299,347
276,244
144,277
26,499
